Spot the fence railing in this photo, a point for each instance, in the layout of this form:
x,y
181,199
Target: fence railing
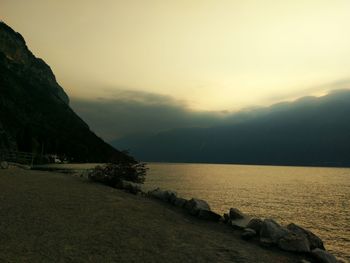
x,y
18,157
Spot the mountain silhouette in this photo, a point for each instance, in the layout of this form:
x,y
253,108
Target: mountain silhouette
x,y
310,131
35,115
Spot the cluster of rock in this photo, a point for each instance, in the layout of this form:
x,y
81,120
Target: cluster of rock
x,y
195,207
130,187
267,232
291,238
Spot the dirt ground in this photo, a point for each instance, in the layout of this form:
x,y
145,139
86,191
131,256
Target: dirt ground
x,y
51,217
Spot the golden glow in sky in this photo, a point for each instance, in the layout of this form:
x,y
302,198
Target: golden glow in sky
x,y
213,54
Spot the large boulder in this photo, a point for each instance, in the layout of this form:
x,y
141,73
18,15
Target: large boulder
x,y
235,214
172,196
157,194
237,219
255,224
179,202
271,232
323,256
194,205
248,234
167,196
314,241
293,242
208,215
240,223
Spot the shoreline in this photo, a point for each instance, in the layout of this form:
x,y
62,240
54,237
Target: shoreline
x,y
53,165
338,253
255,164
72,218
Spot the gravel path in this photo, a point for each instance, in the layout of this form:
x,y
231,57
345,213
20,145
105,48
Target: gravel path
x,y
51,217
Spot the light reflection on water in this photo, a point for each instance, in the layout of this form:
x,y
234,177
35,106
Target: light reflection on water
x,y
315,198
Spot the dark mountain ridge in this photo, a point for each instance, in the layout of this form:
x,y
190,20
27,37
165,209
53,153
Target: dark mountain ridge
x,y
35,115
310,131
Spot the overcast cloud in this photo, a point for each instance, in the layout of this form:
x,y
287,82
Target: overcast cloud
x,y
128,112
133,112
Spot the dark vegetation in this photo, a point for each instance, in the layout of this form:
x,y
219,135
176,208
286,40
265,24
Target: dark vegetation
x,y
35,115
113,173
309,131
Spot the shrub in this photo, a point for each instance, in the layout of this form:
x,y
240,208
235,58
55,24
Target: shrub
x,y
112,174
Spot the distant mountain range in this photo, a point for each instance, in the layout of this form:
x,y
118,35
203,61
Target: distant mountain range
x,y
35,115
310,131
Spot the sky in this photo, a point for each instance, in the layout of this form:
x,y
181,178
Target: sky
x,y
201,56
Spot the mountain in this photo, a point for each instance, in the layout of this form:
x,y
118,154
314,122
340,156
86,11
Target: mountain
x,y
310,131
35,115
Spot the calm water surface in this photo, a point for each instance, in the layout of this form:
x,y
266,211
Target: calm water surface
x,y
315,198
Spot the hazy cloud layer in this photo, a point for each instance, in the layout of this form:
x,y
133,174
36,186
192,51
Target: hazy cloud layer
x,y
133,112
127,112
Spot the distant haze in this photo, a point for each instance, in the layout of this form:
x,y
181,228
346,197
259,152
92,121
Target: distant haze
x,y
210,55
309,131
127,113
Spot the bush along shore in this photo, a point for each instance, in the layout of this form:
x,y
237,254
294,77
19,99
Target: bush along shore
x,y
267,232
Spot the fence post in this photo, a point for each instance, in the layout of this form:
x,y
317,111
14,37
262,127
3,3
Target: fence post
x,y
31,163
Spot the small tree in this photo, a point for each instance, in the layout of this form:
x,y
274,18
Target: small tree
x,y
114,172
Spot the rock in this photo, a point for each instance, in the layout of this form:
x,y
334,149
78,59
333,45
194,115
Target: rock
x,y
266,242
237,219
130,187
304,261
171,196
157,194
323,256
248,234
209,215
195,205
314,241
201,209
4,165
240,223
271,231
293,242
167,196
235,214
255,224
179,202
226,218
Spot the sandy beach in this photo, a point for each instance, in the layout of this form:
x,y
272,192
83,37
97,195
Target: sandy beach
x,y
52,217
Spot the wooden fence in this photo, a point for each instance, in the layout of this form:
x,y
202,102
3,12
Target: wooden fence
x,y
25,158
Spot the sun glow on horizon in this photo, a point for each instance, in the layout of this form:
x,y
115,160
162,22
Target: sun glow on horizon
x,y
215,55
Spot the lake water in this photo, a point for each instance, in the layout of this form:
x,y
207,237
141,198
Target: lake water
x,y
315,198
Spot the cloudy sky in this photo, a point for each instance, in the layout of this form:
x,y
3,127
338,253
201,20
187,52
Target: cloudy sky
x,y
201,57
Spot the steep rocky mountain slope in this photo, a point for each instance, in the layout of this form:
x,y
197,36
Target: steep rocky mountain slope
x,y
35,115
